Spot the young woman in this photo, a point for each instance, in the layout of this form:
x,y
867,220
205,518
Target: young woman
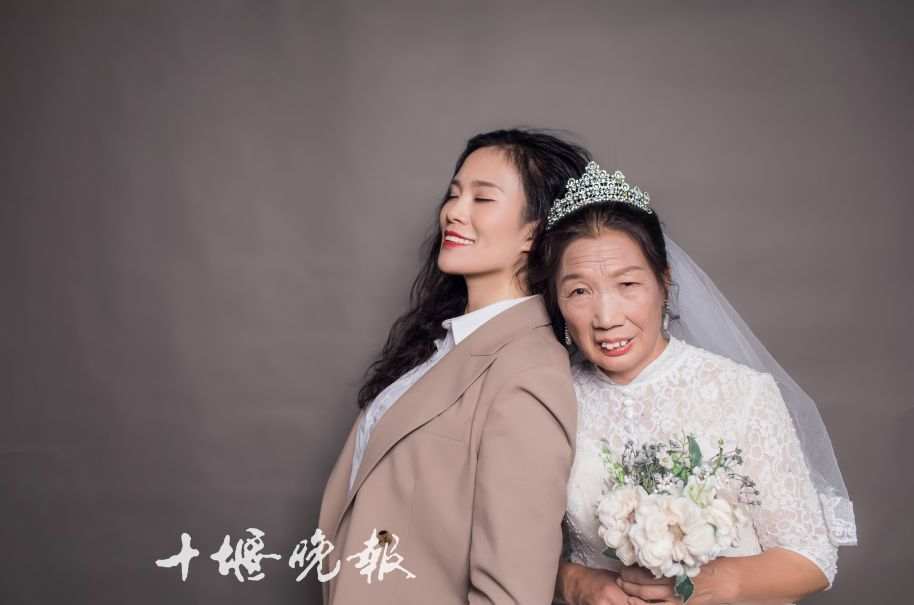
x,y
604,265
456,466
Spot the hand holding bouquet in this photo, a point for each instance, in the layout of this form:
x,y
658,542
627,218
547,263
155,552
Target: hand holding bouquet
x,y
671,510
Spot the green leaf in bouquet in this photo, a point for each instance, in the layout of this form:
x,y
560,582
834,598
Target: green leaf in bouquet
x,y
680,471
694,452
684,587
610,552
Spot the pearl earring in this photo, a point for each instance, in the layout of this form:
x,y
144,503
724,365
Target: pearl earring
x,y
567,336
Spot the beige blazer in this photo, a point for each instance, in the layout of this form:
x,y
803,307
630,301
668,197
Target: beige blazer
x,y
468,471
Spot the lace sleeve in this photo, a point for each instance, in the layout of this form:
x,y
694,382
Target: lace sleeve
x,y
790,515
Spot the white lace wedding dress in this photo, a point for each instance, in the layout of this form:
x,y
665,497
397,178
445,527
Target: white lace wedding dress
x,y
690,390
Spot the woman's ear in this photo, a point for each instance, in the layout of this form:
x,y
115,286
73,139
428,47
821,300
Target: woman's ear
x,y
529,235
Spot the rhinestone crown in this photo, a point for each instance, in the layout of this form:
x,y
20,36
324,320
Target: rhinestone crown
x,y
595,186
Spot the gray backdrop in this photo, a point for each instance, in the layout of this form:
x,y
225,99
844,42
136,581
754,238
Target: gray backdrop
x,y
211,214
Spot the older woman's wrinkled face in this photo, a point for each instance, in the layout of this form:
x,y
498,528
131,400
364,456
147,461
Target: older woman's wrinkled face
x,y
612,303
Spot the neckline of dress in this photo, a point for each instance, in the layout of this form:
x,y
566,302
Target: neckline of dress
x,y
657,367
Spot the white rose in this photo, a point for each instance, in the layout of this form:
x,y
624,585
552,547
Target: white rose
x,y
620,543
626,552
672,569
619,503
721,515
685,511
615,534
651,535
680,552
701,542
615,513
697,540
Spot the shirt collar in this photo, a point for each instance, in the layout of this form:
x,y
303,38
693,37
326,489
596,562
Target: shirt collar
x,y
463,325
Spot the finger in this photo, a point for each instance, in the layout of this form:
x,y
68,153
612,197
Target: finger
x,y
636,574
639,575
637,601
647,592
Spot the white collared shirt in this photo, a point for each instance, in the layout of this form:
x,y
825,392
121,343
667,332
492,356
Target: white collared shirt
x,y
458,328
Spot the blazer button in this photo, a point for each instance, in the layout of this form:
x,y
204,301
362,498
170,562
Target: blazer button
x,y
384,537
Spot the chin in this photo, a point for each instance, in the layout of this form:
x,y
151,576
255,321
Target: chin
x,y
611,368
444,266
614,366
464,266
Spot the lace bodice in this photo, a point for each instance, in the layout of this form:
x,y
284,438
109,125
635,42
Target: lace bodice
x,y
690,390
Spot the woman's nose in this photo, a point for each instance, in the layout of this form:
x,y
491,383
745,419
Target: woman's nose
x,y
608,313
457,210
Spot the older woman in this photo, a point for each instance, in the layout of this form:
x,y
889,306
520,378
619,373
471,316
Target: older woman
x,y
604,268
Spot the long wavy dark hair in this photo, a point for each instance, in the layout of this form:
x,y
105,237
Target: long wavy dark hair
x,y
544,162
547,250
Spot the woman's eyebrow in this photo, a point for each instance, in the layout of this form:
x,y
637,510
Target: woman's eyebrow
x,y
571,276
621,271
478,183
625,270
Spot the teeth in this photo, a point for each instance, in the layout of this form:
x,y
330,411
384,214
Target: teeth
x,y
459,240
616,345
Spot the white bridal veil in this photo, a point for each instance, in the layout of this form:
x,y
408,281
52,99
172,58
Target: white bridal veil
x,y
706,319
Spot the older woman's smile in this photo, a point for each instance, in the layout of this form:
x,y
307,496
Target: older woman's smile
x,y
616,348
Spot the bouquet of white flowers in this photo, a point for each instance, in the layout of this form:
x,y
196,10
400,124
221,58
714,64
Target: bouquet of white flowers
x,y
671,510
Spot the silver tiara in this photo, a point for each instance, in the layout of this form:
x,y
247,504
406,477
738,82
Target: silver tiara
x,y
595,186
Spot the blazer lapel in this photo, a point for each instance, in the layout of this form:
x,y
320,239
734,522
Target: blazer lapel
x,y
432,394
437,390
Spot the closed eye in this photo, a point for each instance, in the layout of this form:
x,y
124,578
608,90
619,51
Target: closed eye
x,y
484,199
629,283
